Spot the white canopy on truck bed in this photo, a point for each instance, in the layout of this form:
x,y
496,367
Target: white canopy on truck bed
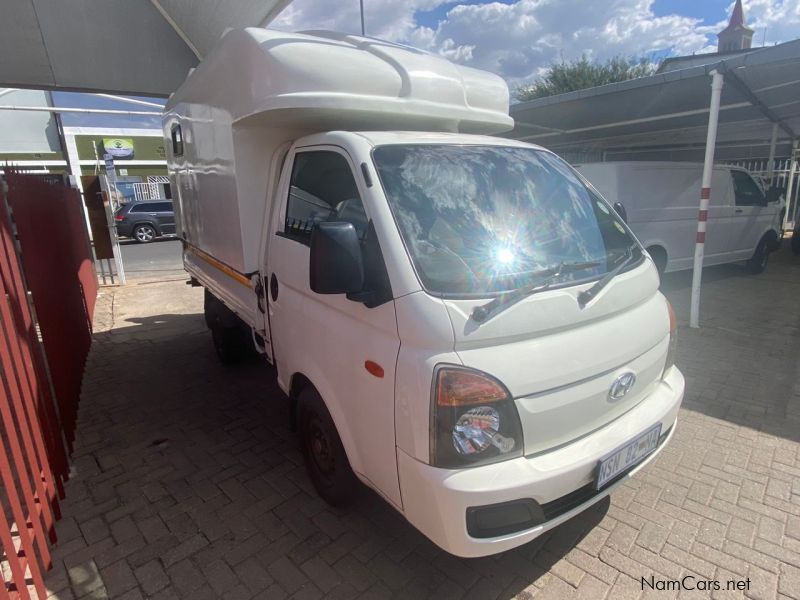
x,y
260,89
340,81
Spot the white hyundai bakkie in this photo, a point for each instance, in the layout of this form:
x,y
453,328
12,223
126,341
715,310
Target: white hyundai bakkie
x,y
459,321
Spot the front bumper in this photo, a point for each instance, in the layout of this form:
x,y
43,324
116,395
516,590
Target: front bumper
x,y
436,500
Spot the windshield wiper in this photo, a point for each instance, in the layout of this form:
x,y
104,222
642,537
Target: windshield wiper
x,y
587,296
544,279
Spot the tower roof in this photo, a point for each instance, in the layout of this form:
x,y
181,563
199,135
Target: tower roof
x,y
737,19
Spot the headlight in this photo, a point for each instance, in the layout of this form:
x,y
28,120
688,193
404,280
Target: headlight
x,y
673,340
473,421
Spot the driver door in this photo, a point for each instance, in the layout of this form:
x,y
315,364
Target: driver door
x,y
329,338
750,217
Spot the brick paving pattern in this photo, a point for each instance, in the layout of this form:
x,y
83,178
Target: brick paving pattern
x,y
187,482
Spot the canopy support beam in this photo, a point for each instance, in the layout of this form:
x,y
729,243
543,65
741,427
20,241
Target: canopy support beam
x,y
743,89
771,161
181,34
717,81
85,111
791,210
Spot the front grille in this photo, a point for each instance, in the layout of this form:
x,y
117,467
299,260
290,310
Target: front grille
x,y
564,504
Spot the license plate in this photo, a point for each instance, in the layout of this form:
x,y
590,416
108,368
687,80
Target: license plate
x,y
629,454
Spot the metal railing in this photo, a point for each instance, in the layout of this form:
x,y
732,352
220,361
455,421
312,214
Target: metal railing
x,y
147,191
784,175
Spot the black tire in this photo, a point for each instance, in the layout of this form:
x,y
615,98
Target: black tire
x,y
144,233
230,335
229,344
758,262
323,452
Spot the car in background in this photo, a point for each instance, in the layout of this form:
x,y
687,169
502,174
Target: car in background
x,y
660,204
144,221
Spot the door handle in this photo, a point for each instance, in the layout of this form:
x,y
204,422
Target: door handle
x,y
738,210
273,287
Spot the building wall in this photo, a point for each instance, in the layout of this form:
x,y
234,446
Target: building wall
x,y
145,147
26,132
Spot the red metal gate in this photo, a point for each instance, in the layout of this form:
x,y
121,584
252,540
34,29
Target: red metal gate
x,y
57,274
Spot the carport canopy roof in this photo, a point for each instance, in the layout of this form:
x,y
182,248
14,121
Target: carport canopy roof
x,y
671,109
136,47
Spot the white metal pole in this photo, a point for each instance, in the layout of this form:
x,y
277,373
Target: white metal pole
x,y
83,111
791,207
771,162
717,81
363,30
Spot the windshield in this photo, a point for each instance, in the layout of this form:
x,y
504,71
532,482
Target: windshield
x,y
479,220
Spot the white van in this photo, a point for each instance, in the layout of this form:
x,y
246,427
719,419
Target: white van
x,y
459,322
661,201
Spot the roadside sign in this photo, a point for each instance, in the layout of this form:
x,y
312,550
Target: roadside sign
x,y
110,171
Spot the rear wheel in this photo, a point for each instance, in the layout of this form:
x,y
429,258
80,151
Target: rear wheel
x,y
229,334
144,234
323,452
229,344
758,262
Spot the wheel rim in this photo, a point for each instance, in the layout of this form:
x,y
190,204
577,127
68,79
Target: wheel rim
x,y
145,234
320,449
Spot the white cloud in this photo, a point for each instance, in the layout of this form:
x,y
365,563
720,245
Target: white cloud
x,y
774,21
518,40
385,19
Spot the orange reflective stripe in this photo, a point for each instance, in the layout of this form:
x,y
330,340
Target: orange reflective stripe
x,y
219,265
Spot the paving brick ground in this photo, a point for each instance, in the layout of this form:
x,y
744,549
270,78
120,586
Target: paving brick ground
x,y
187,482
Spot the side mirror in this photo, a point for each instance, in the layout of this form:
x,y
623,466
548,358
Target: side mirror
x,y
618,206
336,265
773,194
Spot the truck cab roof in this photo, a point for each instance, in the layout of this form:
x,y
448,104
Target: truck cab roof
x,y
381,138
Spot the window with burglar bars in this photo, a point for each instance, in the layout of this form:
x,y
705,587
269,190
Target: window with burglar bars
x,y
147,191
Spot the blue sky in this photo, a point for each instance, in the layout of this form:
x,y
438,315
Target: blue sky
x,y
710,11
70,100
516,38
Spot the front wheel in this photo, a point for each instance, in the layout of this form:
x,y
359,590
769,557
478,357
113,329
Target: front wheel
x,y
758,262
323,452
144,234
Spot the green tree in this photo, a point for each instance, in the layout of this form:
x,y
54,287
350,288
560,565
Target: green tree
x,y
568,76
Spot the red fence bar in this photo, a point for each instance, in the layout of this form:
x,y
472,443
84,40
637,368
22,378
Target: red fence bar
x,y
60,273
17,363
16,562
35,367
47,285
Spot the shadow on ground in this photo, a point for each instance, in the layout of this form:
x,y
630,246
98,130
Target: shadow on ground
x,y
189,465
188,482
743,364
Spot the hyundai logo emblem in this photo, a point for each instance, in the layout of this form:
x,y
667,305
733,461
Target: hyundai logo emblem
x,y
621,386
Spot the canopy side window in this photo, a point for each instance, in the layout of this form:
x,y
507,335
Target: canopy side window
x,y
177,140
746,190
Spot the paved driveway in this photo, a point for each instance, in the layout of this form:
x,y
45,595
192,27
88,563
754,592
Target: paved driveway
x,y
188,484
